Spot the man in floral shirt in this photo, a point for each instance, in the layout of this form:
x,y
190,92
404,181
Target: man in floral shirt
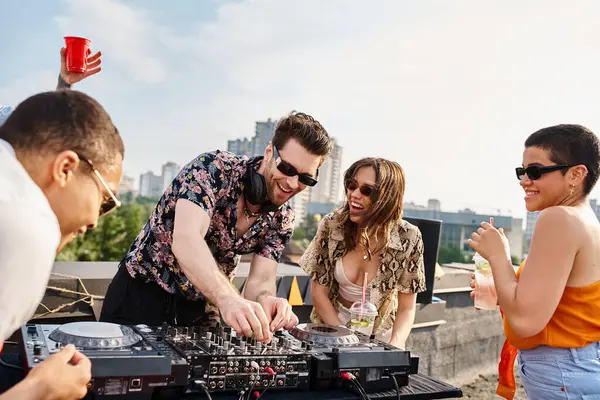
x,y
219,207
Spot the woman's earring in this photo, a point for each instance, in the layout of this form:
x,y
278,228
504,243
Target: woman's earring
x,y
571,190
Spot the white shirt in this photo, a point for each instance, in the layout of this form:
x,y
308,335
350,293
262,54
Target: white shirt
x,y
5,111
29,237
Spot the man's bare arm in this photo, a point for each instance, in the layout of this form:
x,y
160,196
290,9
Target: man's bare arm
x,y
199,266
261,278
194,255
27,389
62,84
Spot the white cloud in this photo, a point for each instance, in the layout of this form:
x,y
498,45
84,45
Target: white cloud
x,y
20,89
124,34
448,89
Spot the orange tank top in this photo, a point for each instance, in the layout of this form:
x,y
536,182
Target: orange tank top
x,y
574,324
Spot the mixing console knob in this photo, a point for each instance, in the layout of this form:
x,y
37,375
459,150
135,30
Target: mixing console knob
x,y
243,345
225,345
208,336
185,330
37,350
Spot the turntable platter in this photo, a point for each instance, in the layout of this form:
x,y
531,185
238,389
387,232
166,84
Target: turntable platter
x,y
325,335
95,335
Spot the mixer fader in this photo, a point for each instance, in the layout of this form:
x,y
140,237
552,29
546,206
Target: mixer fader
x,y
222,361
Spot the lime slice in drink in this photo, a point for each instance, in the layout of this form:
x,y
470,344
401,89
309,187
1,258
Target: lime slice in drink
x,y
356,322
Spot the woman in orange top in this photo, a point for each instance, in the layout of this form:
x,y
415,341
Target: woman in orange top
x,y
551,306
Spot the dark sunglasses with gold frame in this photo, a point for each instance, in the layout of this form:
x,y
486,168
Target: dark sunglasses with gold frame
x,y
109,203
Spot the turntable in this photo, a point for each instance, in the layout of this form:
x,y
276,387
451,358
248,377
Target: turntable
x,y
125,360
325,335
337,349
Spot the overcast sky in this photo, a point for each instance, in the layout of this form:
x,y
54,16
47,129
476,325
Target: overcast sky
x,y
449,89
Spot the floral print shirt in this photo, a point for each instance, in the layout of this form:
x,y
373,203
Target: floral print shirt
x,y
401,270
213,181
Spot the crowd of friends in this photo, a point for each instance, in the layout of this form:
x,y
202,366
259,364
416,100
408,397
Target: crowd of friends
x,y
61,161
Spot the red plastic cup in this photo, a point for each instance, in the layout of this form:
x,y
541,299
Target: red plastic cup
x,y
78,50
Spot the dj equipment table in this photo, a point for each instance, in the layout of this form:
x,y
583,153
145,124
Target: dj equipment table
x,y
421,387
311,361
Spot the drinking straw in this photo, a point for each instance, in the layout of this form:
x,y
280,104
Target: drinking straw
x,y
362,306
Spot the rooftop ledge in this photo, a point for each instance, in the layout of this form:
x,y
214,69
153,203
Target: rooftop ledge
x,y
292,283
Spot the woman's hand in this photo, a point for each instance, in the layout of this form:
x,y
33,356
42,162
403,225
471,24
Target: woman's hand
x,y
489,242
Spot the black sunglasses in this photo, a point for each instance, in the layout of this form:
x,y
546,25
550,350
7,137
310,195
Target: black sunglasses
x,y
289,170
109,203
365,190
535,172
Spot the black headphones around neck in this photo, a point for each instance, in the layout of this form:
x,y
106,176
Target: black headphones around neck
x,y
255,189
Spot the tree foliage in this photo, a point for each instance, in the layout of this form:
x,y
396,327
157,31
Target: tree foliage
x,y
115,233
450,254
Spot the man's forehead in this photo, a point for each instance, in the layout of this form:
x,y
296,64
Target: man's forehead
x,y
304,161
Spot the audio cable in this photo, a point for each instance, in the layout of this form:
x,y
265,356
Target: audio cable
x,y
351,378
202,385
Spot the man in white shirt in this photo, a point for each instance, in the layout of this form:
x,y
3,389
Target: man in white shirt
x,y
60,165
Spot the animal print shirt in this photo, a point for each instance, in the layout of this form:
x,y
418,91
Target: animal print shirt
x,y
401,270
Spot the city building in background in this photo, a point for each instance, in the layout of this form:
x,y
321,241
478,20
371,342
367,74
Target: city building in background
x,y
330,178
532,217
457,227
152,185
169,172
299,204
263,133
127,185
326,195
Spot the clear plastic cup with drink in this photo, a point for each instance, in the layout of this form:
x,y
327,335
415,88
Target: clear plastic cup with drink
x,y
485,291
362,317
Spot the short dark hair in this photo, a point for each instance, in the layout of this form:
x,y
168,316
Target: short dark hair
x,y
570,145
306,130
52,122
